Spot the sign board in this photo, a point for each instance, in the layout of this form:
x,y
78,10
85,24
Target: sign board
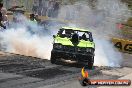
x,y
123,45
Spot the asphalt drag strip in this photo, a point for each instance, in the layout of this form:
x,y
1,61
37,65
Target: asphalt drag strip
x,y
20,71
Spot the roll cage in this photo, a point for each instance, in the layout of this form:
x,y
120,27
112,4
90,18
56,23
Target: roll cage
x,y
83,35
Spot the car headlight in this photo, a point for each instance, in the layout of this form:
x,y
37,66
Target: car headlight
x,y
58,46
82,49
91,50
88,50
79,49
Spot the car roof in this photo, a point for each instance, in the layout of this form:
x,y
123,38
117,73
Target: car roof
x,y
75,29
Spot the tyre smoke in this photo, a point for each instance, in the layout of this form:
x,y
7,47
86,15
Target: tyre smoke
x,y
30,39
26,38
100,17
106,54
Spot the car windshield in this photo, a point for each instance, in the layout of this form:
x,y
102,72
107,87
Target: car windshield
x,y
83,34
87,36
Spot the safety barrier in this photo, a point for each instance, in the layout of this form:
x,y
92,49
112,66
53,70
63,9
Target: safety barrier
x,y
123,45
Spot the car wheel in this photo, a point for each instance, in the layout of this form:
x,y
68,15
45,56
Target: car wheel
x,y
53,58
90,63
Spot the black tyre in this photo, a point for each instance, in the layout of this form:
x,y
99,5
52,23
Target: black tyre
x,y
90,63
53,58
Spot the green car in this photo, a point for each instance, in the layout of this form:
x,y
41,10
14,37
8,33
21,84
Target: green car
x,y
73,44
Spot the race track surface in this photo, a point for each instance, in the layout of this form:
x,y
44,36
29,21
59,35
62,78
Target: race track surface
x,y
18,71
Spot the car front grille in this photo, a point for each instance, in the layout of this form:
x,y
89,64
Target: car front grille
x,y
81,50
74,49
69,48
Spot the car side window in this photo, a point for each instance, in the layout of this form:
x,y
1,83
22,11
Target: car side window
x,y
84,37
61,33
87,35
90,37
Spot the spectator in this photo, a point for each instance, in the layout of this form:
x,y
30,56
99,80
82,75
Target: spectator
x,y
40,6
56,9
4,14
35,8
4,17
50,8
32,17
1,24
1,17
37,18
44,8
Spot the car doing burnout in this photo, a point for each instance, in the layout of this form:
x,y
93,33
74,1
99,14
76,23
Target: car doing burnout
x,y
73,44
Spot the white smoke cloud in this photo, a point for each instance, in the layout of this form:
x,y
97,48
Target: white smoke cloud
x,y
26,38
106,54
102,21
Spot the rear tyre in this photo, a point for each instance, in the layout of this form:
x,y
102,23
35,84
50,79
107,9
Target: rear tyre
x,y
90,63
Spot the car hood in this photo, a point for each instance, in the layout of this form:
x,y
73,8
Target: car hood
x,y
67,41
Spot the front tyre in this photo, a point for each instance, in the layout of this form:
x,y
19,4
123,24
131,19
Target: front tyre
x,y
53,58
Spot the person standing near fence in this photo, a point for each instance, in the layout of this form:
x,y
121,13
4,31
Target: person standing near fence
x,y
4,15
56,7
35,8
44,7
1,17
50,8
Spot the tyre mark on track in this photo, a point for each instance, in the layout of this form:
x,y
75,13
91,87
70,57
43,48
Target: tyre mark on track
x,y
31,67
10,79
